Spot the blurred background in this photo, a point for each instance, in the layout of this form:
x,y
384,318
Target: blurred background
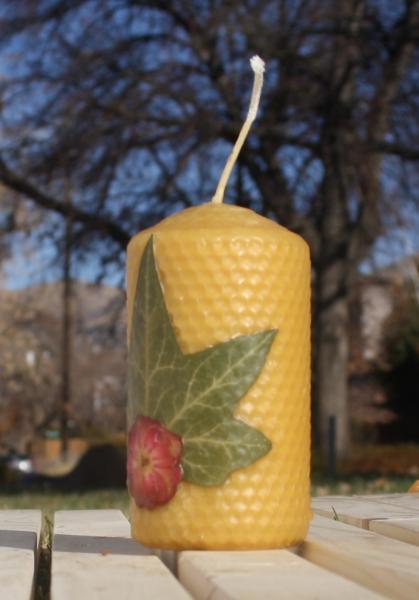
x,y
117,113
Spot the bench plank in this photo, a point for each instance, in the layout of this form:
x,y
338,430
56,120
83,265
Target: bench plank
x,y
19,541
407,501
359,511
405,530
93,558
273,574
382,564
102,523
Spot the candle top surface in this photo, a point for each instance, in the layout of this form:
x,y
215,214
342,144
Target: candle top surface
x,y
211,216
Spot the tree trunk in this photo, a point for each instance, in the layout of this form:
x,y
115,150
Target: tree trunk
x,y
331,352
331,337
66,332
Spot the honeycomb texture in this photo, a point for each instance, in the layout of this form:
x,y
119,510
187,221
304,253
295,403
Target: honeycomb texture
x,y
227,271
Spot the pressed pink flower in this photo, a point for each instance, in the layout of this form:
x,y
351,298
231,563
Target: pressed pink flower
x,y
154,468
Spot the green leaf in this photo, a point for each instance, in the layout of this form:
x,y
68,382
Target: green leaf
x,y
193,395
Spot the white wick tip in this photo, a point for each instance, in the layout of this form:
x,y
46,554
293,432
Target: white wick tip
x,y
258,67
257,64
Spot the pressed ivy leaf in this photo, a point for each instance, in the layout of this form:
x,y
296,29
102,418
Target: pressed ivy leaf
x,y
230,445
153,355
193,395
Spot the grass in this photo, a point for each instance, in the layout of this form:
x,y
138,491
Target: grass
x,y
346,485
50,501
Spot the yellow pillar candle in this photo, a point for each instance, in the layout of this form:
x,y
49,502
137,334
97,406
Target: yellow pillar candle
x,y
223,272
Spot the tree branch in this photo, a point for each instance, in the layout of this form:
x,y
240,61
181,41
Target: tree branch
x,y
404,152
56,11
93,222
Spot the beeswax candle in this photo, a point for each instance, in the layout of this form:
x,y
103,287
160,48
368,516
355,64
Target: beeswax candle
x,y
219,381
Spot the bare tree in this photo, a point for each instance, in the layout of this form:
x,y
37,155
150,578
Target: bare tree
x,y
140,102
31,348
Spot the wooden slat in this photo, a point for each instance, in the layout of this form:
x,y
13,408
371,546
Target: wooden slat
x,y
99,523
94,558
406,501
384,565
19,540
276,574
405,530
357,510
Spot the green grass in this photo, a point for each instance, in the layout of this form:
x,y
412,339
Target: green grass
x,y
50,501
361,484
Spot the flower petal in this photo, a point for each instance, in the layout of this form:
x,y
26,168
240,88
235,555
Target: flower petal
x,y
154,463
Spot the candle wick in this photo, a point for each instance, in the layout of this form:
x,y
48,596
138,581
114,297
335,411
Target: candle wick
x,y
258,67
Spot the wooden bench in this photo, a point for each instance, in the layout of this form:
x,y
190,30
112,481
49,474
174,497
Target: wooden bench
x,y
359,547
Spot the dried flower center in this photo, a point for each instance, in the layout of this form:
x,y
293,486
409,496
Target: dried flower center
x,y
144,462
